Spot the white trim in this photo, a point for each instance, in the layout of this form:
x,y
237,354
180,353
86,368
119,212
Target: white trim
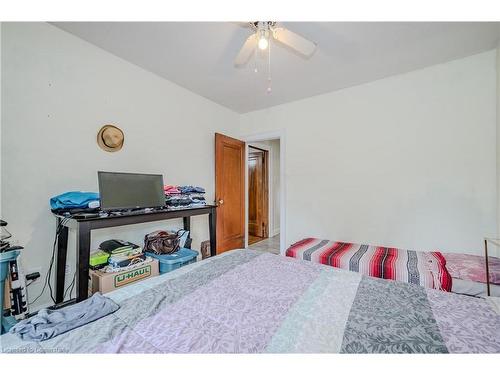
x,y
267,136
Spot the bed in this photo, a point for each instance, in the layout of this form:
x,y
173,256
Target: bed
x,y
468,274
458,273
245,301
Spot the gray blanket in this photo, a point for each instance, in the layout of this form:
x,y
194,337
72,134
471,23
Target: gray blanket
x,y
50,323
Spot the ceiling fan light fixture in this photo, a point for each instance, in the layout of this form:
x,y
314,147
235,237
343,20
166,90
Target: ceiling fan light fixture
x,y
263,43
265,32
263,37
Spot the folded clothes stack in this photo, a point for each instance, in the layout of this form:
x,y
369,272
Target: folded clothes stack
x,y
115,255
126,258
74,201
171,190
184,196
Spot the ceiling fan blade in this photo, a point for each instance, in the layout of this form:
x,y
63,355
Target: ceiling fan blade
x,y
246,51
295,41
245,24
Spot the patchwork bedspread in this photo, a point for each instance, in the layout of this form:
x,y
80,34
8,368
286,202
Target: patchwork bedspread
x,y
245,301
427,269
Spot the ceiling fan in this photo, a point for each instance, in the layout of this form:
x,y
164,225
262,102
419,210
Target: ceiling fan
x,y
264,32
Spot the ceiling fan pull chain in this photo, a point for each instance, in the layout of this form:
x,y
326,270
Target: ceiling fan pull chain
x,y
255,58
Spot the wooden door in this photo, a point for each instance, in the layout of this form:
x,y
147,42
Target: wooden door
x,y
230,192
257,193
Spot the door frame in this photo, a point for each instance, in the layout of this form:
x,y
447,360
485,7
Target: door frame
x,y
270,191
268,136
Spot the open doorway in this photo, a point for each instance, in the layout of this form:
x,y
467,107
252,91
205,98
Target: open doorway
x,y
263,192
231,192
258,194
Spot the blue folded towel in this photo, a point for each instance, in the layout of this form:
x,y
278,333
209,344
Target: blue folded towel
x,y
51,323
73,199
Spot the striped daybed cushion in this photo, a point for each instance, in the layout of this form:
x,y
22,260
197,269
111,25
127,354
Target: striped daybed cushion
x,y
427,269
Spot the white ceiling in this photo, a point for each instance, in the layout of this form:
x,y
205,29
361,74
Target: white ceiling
x,y
199,55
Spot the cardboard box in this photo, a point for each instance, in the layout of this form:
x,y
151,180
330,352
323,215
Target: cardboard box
x,y
107,281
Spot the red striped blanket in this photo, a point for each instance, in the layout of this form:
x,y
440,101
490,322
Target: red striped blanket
x,y
427,269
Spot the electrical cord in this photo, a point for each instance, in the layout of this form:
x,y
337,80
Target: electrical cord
x,y
46,283
70,286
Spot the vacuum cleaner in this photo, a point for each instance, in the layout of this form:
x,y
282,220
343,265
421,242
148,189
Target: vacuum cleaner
x,y
10,268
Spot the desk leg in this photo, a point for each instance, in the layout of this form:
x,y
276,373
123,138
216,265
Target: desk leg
x,y
187,226
62,251
212,225
82,261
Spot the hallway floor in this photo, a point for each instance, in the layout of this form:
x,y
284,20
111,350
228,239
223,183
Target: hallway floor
x,y
271,245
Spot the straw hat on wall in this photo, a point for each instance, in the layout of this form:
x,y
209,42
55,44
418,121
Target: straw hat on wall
x,y
110,138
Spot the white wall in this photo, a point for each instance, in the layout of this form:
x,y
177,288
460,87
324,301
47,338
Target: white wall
x,y
57,91
498,141
407,161
1,106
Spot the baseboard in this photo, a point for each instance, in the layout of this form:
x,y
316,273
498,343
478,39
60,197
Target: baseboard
x,y
276,232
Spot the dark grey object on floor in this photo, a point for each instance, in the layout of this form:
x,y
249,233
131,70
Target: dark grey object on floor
x,y
50,323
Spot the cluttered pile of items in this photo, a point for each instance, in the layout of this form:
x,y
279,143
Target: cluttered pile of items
x,y
184,196
130,194
118,263
13,304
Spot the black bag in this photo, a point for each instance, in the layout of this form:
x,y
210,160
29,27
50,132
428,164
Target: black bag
x,y
162,242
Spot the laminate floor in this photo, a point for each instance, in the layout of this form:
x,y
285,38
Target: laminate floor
x,y
270,245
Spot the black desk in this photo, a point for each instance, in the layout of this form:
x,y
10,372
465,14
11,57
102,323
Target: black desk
x,y
85,226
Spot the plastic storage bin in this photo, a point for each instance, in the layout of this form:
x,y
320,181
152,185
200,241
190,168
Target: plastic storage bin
x,y
176,260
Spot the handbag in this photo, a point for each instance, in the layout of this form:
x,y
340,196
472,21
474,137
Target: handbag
x,y
162,242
